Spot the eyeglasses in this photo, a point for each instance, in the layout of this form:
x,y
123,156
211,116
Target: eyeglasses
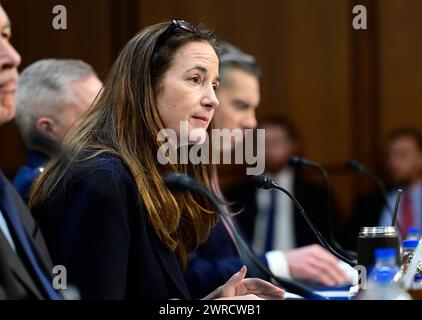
x,y
182,24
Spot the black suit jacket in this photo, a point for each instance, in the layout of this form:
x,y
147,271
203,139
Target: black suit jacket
x,y
17,280
96,226
313,199
215,261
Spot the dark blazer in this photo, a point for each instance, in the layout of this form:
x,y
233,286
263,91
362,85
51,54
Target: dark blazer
x,y
16,278
214,262
313,199
96,226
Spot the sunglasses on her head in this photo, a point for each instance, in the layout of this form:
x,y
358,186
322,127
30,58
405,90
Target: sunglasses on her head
x,y
174,24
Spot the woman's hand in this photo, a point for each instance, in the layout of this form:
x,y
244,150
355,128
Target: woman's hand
x,y
237,287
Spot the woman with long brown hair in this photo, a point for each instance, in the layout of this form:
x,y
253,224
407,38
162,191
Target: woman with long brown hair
x,y
101,203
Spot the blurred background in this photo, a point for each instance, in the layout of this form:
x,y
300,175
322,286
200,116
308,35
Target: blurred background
x,y
345,89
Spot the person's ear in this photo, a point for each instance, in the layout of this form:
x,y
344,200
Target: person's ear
x,y
46,126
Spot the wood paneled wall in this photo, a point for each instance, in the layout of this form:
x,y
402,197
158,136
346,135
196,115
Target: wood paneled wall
x,y
345,89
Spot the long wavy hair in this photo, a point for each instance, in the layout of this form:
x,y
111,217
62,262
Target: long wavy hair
x,y
124,121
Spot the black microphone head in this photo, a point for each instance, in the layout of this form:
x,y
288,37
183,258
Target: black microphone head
x,y
355,165
295,161
262,181
178,182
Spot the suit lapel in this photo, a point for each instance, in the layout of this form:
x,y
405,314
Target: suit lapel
x,y
32,230
17,267
23,226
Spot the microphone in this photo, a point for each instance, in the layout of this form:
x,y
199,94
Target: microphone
x,y
264,182
177,182
355,165
359,167
297,161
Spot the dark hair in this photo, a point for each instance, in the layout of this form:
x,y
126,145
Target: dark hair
x,y
232,57
406,132
125,121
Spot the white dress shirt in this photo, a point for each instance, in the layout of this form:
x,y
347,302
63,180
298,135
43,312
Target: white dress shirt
x,y
284,230
416,201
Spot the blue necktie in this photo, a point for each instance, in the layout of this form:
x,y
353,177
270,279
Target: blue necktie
x,y
269,239
11,215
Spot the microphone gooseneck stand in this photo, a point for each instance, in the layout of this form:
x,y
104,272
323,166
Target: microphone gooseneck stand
x,y
177,182
302,162
266,183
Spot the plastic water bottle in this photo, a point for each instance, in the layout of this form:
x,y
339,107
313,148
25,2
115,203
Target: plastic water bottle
x,y
409,247
381,283
413,233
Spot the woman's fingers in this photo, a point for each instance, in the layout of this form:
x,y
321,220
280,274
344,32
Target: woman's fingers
x,y
237,277
263,288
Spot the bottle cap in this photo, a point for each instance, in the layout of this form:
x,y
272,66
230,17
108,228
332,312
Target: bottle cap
x,y
410,244
413,230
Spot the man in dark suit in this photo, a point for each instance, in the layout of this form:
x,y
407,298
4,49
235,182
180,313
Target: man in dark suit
x,y
310,196
269,219
289,229
213,263
25,265
404,168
